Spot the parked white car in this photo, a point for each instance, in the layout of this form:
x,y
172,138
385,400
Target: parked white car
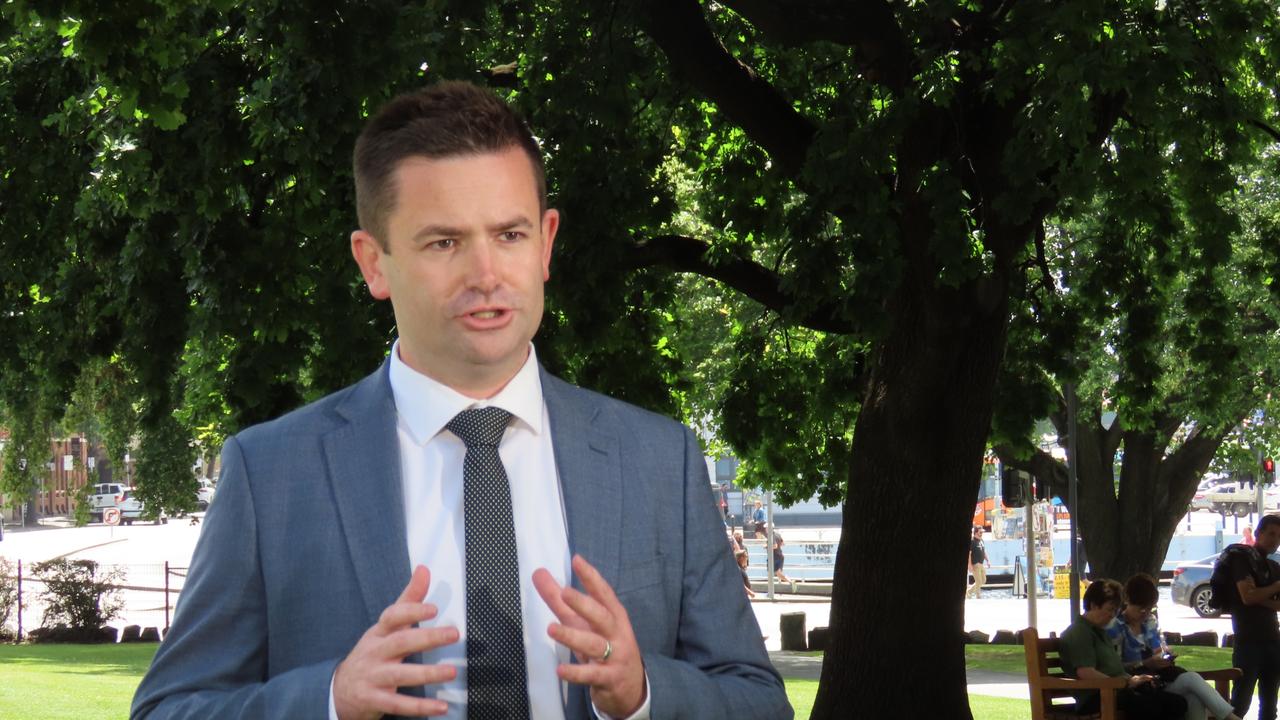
x,y
204,495
131,508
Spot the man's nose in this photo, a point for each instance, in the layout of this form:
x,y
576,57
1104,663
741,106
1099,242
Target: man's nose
x,y
482,269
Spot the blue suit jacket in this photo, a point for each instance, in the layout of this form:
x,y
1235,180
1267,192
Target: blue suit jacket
x,y
305,546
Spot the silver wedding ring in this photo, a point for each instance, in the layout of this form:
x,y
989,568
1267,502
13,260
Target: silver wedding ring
x,y
608,650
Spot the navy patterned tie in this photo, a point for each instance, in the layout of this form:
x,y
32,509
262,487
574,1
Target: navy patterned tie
x,y
497,686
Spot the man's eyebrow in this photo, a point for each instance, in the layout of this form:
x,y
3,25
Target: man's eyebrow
x,y
519,222
437,231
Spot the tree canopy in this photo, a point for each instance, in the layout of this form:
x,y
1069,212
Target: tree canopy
x,y
893,187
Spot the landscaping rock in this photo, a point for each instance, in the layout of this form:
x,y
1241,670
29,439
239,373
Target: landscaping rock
x,y
792,628
131,633
818,638
976,637
149,635
1206,638
1006,637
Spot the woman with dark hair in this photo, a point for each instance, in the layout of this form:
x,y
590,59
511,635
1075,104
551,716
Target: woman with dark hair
x,y
1087,653
1142,649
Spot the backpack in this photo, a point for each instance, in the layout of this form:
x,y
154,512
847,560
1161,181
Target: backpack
x,y
1226,595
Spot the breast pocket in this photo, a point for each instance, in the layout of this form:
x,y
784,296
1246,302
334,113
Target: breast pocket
x,y
640,575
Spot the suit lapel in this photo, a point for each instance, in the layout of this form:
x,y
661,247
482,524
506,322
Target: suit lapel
x,y
364,473
590,469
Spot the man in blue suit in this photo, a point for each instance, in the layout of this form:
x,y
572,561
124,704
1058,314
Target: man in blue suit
x,y
331,578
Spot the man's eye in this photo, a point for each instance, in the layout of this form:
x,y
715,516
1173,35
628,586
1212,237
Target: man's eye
x,y
512,235
442,244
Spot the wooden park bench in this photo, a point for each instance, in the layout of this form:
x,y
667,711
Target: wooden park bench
x,y
1048,683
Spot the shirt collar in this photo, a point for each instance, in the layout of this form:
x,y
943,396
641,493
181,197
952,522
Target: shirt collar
x,y
425,405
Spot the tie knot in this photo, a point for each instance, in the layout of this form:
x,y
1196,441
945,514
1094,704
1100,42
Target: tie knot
x,y
480,426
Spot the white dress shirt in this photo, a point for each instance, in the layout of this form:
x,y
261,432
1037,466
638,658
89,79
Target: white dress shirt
x,y
431,460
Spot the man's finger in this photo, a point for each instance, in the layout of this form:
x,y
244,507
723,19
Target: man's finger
x,y
416,590
594,583
411,674
403,615
583,674
407,641
550,592
393,703
597,616
585,645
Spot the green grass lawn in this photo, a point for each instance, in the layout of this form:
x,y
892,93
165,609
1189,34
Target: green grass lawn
x,y
52,682
802,692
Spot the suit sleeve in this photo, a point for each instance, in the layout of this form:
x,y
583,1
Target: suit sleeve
x,y
213,662
721,669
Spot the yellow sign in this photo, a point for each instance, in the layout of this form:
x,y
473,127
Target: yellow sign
x,y
1062,583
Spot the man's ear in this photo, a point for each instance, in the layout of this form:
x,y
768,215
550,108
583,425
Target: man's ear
x,y
368,253
550,224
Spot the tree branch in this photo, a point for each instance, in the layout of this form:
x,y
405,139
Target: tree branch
x,y
868,26
681,31
1264,127
1046,277
684,254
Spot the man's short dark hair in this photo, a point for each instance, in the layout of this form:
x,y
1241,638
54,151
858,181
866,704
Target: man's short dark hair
x,y
1100,592
1266,522
447,119
1141,590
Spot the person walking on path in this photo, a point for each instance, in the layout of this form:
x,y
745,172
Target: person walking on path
x,y
778,561
1253,619
743,560
978,564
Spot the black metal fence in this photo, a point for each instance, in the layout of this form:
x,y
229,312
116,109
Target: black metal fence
x,y
149,592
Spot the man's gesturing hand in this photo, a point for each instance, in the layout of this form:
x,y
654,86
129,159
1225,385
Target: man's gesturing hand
x,y
364,685
593,625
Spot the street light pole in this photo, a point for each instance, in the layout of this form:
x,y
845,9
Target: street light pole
x,y
1073,498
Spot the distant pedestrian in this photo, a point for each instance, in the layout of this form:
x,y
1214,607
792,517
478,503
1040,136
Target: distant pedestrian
x,y
1248,535
1253,619
739,544
778,560
978,564
758,518
744,560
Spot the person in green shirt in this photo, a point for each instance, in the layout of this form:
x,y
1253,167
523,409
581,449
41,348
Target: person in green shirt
x,y
1088,653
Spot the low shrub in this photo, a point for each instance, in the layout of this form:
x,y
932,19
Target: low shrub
x,y
8,597
79,597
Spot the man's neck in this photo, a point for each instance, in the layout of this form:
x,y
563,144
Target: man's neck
x,y
475,385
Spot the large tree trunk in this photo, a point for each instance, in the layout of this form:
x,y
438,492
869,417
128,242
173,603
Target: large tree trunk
x,y
1126,527
1128,531
917,456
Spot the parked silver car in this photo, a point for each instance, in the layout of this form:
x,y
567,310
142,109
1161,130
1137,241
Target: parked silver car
x,y
1191,585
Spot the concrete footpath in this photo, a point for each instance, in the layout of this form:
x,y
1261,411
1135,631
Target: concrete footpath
x,y
987,615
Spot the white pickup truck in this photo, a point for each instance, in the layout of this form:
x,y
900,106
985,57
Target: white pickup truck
x,y
1237,499
105,495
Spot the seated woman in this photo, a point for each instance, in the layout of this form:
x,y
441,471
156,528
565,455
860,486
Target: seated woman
x,y
1087,653
1142,649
